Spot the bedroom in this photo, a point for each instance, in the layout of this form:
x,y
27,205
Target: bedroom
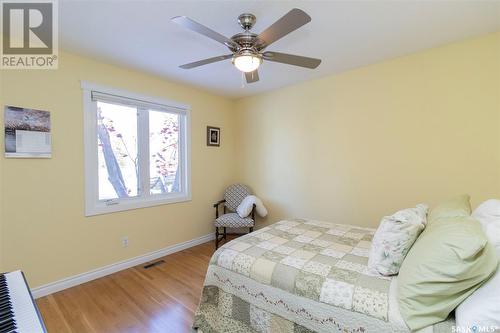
x,y
403,109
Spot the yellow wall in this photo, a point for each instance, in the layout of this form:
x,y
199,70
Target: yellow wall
x,y
352,147
44,229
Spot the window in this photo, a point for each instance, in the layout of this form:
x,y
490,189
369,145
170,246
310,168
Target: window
x,y
136,150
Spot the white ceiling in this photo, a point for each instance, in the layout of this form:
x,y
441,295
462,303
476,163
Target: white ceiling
x,y
344,34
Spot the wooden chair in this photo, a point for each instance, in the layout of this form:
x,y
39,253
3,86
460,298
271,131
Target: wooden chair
x,y
233,196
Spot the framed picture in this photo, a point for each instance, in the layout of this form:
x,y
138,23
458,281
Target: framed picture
x,y
27,133
213,136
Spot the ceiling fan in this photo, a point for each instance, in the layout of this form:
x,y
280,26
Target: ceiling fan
x,y
248,48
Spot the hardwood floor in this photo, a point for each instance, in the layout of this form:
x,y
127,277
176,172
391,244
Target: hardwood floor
x,y
162,298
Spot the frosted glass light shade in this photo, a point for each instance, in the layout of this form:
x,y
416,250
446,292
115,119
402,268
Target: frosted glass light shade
x,y
247,62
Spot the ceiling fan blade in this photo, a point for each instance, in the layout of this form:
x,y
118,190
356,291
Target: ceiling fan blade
x,y
252,76
291,21
292,59
186,22
205,61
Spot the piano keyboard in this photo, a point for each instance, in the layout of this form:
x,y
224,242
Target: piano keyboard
x,y
18,310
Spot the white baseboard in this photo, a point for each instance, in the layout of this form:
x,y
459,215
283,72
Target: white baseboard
x,y
72,281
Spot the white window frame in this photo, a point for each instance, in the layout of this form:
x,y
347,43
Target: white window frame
x,y
94,206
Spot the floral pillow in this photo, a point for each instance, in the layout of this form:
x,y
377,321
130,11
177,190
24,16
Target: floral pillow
x,y
394,238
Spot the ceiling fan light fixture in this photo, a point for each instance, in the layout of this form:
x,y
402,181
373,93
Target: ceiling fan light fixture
x,y
247,61
247,48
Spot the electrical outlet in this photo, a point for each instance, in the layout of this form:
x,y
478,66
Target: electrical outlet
x,y
125,241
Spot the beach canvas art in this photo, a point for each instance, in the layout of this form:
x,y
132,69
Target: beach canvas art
x,y
27,133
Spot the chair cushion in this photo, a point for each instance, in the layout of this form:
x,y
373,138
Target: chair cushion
x,y
235,194
233,220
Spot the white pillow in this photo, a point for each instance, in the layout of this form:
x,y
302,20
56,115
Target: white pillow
x,y
492,231
394,238
245,207
488,212
482,308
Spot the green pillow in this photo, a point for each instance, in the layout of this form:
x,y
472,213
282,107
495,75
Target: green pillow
x,y
449,260
457,206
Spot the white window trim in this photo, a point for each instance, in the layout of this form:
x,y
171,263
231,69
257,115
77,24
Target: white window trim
x,y
92,204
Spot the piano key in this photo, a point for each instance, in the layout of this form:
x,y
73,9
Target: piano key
x,y
6,306
5,315
7,325
26,318
8,329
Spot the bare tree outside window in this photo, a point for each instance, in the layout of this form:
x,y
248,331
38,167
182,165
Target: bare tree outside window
x,y
164,150
118,151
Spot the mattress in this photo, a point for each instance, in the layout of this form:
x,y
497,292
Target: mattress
x,y
299,276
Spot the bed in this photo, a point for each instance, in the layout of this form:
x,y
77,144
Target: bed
x,y
300,276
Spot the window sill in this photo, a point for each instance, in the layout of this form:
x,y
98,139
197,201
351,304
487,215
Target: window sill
x,y
101,207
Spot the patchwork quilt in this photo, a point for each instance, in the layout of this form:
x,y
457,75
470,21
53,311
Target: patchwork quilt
x,y
298,276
